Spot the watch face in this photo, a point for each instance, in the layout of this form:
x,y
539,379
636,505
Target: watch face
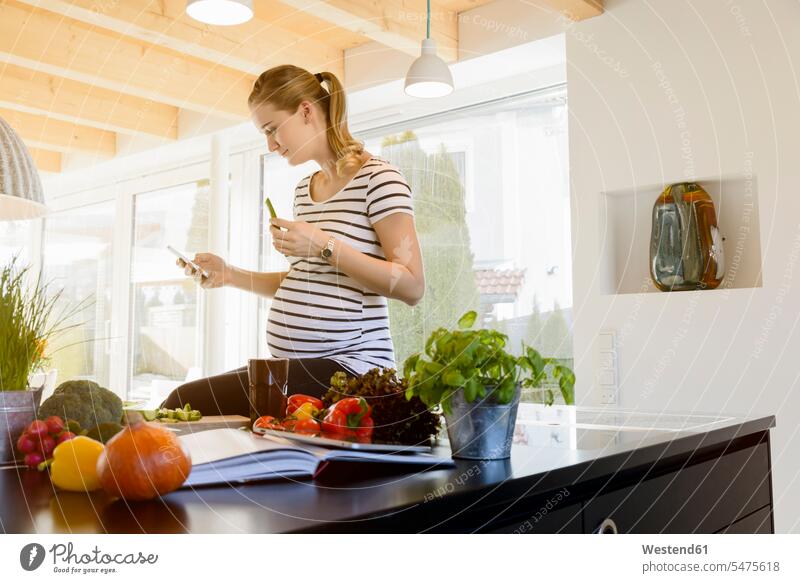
x,y
326,253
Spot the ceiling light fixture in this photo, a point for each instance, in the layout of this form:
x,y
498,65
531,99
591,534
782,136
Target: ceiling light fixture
x,y
429,75
21,195
220,12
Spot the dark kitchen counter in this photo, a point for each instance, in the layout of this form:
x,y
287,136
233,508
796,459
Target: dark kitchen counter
x,y
570,469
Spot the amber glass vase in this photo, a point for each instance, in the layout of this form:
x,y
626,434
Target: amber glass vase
x,y
685,244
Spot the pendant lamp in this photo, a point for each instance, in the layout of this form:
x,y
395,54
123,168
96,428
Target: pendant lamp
x,y
220,12
429,76
21,195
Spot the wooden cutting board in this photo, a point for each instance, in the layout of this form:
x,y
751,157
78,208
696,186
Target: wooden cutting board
x,y
206,423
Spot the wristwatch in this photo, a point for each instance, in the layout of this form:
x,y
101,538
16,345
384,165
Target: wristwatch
x,y
327,251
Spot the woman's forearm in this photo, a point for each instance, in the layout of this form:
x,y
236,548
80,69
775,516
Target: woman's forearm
x,y
399,276
264,284
387,278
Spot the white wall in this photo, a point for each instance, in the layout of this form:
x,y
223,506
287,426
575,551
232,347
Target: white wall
x,y
661,91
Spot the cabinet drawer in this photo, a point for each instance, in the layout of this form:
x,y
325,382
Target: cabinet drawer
x,y
701,498
759,522
565,520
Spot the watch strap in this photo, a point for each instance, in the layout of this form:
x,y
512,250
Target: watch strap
x,y
327,251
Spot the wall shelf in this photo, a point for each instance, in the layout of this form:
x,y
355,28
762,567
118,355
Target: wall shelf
x,y
626,223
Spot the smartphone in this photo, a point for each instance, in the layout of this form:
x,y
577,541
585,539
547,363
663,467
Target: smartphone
x,y
188,261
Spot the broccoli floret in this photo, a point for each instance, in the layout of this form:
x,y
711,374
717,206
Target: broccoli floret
x,y
84,401
104,432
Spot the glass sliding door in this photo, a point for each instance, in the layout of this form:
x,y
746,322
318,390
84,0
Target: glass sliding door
x,y
166,306
78,259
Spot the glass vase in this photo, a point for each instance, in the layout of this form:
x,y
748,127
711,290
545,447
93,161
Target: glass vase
x,y
685,245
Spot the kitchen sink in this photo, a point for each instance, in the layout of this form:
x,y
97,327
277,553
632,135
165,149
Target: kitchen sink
x,y
598,428
576,437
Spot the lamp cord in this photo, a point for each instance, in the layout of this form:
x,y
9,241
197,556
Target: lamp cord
x,y
429,19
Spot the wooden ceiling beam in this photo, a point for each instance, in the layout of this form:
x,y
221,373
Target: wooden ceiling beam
x,y
50,43
251,48
39,131
46,160
39,93
577,9
400,24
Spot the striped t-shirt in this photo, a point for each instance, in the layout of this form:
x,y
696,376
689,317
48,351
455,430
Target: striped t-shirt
x,y
318,312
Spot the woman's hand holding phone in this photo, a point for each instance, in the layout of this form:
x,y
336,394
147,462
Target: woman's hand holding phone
x,y
214,266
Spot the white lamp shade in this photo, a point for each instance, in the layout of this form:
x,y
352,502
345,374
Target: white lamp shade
x,y
220,12
429,75
21,195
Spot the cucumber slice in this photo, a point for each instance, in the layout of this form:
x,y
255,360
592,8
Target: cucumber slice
x,y
149,414
271,208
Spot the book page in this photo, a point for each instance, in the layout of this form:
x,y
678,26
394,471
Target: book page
x,y
220,444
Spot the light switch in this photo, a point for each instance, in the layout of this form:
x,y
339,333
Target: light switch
x,y
607,363
606,360
606,379
605,341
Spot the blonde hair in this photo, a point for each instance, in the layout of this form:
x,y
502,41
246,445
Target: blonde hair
x,y
286,86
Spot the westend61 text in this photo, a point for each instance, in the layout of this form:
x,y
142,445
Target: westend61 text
x,y
671,550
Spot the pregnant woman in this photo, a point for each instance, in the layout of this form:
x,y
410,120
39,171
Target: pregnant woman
x,y
352,244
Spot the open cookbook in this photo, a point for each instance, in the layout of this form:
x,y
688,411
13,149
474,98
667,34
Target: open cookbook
x,y
221,456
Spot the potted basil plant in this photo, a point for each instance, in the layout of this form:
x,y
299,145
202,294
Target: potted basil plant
x,y
477,383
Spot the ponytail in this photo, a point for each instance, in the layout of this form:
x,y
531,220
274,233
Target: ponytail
x,y
286,86
348,150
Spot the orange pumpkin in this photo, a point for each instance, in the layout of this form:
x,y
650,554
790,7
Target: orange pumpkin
x,y
143,461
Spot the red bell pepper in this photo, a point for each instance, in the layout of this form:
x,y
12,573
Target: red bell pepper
x,y
307,426
296,401
349,417
268,422
365,428
335,422
353,406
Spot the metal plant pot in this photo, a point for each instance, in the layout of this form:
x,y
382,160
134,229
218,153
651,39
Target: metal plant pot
x,y
483,429
17,410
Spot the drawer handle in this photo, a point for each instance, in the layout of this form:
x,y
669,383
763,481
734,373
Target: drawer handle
x,y
608,526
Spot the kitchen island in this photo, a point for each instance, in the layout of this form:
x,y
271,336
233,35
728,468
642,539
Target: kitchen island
x,y
572,470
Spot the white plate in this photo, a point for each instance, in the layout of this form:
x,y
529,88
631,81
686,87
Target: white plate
x,y
342,444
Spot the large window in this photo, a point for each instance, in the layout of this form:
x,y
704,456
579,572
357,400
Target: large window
x,y
492,210
78,260
15,241
167,310
491,198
